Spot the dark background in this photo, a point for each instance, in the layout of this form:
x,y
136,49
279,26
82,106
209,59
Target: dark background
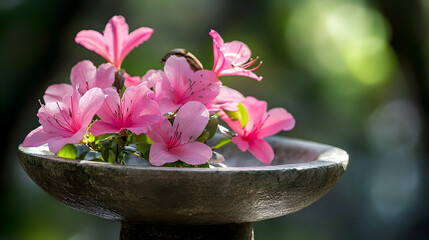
x,y
353,74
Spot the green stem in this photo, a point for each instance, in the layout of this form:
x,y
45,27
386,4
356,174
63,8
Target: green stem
x,y
222,142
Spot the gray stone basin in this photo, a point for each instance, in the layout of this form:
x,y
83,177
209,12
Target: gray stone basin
x,y
153,197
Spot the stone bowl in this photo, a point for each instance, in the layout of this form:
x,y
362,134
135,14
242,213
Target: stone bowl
x,y
244,192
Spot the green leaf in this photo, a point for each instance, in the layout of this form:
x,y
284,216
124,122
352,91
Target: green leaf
x,y
183,164
205,165
134,150
105,138
82,151
68,151
91,156
203,137
108,146
234,116
222,142
144,150
131,159
212,125
143,144
96,117
142,138
123,90
90,138
111,156
243,115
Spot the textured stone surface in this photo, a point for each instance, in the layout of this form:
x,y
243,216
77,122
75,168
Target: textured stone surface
x,y
232,231
301,173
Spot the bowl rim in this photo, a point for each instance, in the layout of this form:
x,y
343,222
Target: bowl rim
x,y
332,156
325,166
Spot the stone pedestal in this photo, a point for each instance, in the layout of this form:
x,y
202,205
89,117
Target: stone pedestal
x,y
231,231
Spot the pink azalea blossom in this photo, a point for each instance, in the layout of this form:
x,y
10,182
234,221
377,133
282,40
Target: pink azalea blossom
x,y
180,84
115,43
227,99
260,124
177,141
66,121
84,76
131,80
135,111
151,78
232,58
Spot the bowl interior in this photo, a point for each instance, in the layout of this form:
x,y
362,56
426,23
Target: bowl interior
x,y
286,152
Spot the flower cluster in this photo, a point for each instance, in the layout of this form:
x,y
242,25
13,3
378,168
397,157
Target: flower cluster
x,y
166,116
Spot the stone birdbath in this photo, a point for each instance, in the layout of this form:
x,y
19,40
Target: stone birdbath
x,y
192,203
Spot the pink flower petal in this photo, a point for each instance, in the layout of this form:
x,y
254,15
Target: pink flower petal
x,y
156,79
255,110
182,85
100,127
56,92
36,138
228,94
205,87
194,153
82,73
105,76
131,81
277,119
55,118
217,39
110,109
161,133
167,105
55,145
115,35
234,125
135,101
230,58
220,62
74,110
260,124
135,111
159,154
177,70
177,142
55,142
227,99
90,103
93,41
152,77
66,121
148,106
59,118
191,119
237,71
115,43
136,38
262,151
242,144
140,124
237,53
